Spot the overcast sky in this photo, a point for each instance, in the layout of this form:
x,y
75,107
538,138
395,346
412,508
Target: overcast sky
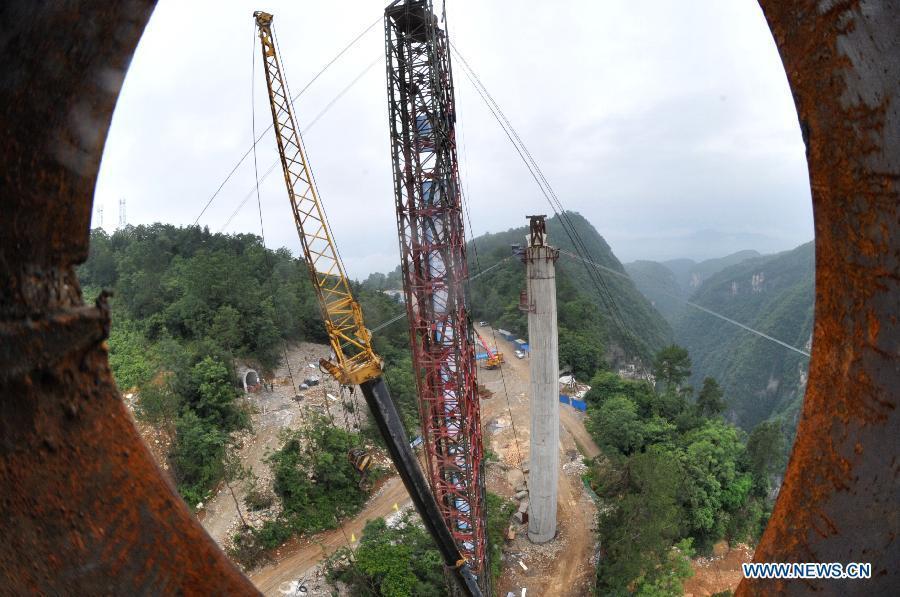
x,y
669,125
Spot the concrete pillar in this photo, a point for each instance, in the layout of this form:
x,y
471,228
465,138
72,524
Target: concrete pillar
x,y
544,358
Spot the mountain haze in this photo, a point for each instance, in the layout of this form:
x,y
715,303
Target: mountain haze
x,y
668,284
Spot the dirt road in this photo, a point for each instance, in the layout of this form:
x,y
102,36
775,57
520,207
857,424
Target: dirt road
x,y
296,565
560,567
563,566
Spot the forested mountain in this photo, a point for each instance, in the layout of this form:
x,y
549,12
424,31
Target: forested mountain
x,y
587,333
186,304
773,294
660,286
690,274
665,283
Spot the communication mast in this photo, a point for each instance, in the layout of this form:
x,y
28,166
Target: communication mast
x,y
433,254
122,213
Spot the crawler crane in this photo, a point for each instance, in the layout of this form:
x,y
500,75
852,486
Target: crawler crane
x,y
494,357
353,361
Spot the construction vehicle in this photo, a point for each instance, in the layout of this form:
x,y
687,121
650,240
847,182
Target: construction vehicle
x,y
353,360
361,461
494,357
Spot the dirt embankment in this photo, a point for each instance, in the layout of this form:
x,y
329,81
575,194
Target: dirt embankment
x,y
565,565
721,572
274,412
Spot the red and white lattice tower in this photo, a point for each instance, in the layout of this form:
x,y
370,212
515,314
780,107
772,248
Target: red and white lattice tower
x,y
433,253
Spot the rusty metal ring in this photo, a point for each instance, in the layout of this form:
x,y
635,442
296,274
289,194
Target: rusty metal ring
x,y
87,511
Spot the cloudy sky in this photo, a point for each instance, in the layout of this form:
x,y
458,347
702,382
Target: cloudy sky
x,y
669,125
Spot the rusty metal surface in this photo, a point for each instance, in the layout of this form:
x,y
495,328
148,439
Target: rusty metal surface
x,y
840,501
85,509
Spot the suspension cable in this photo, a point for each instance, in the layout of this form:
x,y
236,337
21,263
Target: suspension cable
x,y
305,130
546,189
295,98
700,307
469,280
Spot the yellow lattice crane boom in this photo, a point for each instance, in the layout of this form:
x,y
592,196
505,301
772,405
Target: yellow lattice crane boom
x,y
354,362
351,343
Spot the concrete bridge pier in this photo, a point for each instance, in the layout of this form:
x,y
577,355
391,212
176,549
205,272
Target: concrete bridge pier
x,y
540,260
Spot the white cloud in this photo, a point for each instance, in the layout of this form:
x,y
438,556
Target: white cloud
x,y
650,118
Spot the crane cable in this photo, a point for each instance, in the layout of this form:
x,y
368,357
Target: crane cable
x,y
603,291
305,130
545,187
268,128
465,196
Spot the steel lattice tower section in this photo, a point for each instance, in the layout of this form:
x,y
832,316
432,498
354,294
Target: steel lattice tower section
x,y
433,254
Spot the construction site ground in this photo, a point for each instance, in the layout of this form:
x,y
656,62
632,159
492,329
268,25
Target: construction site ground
x,y
564,566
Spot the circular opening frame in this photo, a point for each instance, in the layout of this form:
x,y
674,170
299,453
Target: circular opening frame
x,y
86,509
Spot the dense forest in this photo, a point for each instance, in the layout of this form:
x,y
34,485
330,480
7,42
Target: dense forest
x,y
773,294
187,303
589,338
676,476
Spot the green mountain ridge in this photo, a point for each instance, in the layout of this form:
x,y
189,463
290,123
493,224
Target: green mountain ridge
x,y
583,322
690,274
660,286
773,294
668,284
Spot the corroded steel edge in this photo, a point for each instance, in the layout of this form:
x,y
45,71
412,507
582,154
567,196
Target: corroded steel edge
x,y
840,501
86,509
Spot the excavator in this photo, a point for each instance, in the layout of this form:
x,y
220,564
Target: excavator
x,y
353,360
494,357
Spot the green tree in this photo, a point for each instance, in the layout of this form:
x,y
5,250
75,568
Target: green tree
x,y
765,449
128,356
226,328
617,427
709,401
668,580
197,456
158,404
579,353
396,561
215,396
637,531
313,478
714,483
671,366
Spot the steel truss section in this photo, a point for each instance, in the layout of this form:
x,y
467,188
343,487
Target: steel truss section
x,y
354,360
433,254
